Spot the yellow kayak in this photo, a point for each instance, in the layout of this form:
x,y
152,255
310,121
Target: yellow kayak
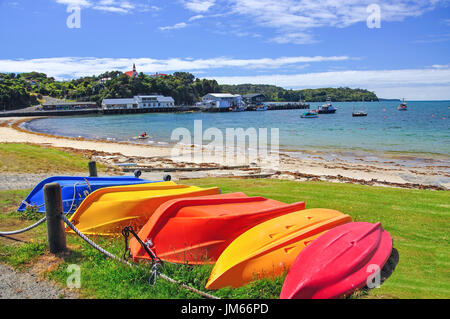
x,y
107,211
270,248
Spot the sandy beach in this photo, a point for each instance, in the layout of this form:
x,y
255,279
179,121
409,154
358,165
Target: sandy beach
x,y
396,170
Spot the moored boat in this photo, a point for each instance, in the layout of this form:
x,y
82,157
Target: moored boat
x,y
74,190
198,230
338,262
309,115
270,248
359,113
327,108
403,106
108,210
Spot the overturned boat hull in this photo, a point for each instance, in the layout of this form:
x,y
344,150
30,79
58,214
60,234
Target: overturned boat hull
x,y
197,230
270,248
108,210
339,262
74,190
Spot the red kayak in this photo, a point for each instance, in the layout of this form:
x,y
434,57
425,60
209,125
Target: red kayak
x,y
197,230
338,262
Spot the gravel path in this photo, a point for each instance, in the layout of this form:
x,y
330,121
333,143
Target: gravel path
x,y
17,285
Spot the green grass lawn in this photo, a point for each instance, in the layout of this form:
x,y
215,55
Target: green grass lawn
x,y
416,219
29,158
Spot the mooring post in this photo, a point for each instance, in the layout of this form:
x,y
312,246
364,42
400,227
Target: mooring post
x,y
55,224
92,169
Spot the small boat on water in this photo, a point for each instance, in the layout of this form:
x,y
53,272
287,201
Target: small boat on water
x,y
359,113
74,189
309,115
403,106
327,108
261,108
143,136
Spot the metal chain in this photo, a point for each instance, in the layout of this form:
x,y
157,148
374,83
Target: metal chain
x,y
155,271
90,242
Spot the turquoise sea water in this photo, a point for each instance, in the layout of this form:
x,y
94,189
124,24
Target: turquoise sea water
x,y
424,128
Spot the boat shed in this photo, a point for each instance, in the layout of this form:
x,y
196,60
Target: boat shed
x,y
222,100
119,103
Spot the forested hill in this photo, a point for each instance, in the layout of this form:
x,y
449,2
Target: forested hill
x,y
22,90
26,89
276,93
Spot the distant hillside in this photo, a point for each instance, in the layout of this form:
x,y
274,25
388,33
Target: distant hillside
x,y
278,94
26,89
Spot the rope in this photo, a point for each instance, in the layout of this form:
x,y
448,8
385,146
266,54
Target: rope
x,y
90,242
155,271
14,232
85,193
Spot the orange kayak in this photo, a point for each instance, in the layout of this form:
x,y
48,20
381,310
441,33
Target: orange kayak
x,y
270,248
197,230
108,210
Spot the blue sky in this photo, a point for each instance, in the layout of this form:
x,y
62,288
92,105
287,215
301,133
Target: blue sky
x,y
290,43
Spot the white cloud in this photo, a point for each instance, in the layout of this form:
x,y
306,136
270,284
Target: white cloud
x,y
196,17
441,66
75,3
71,67
114,6
180,25
110,9
295,37
292,18
198,5
425,83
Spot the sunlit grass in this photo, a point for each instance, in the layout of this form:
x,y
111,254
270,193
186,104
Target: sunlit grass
x,y
416,219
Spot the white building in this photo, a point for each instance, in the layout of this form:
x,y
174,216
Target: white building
x,y
222,100
139,102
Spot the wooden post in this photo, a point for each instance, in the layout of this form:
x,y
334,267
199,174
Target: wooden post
x,y
55,224
92,169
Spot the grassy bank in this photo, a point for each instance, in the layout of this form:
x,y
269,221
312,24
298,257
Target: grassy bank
x,y
416,219
29,158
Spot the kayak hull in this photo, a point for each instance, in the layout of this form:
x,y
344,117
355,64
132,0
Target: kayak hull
x,y
74,190
197,230
339,262
269,249
108,210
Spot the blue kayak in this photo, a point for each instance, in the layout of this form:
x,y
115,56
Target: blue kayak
x,y
74,189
